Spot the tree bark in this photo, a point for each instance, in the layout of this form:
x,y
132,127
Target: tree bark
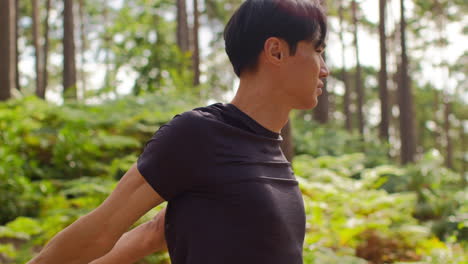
x,y
407,127
287,145
196,48
438,141
359,84
344,74
440,15
40,92
45,78
383,76
448,141
7,48
82,46
107,47
17,54
182,26
464,182
69,69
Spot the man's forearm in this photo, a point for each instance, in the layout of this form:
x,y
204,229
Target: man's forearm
x,y
78,243
94,234
137,243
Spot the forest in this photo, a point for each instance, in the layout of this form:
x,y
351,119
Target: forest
x,y
381,161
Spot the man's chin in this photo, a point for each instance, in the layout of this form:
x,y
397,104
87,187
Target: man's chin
x,y
307,105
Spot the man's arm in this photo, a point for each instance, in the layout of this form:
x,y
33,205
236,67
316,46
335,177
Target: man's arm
x,y
94,234
138,243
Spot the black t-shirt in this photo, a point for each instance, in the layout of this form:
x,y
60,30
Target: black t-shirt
x,y
232,195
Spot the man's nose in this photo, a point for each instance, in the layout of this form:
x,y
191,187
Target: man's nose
x,y
324,71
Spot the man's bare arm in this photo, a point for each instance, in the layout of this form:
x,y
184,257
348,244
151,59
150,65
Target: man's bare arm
x,y
141,241
94,234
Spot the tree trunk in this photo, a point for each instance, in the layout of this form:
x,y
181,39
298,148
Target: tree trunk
x,y
463,156
36,26
383,89
69,69
82,47
45,78
359,84
182,26
407,128
17,54
107,47
448,141
287,145
196,48
440,16
344,74
7,48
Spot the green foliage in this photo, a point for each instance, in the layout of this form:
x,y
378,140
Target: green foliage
x,y
24,227
44,141
349,212
440,198
69,200
61,162
318,140
144,42
17,197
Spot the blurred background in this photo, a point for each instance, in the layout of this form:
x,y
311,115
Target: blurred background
x,y
381,160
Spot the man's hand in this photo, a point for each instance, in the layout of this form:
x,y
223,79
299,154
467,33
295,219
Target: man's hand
x,y
95,234
138,243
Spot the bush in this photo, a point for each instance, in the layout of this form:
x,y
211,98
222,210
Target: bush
x,y
39,141
60,162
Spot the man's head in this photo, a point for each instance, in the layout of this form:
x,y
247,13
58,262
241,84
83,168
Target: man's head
x,y
257,20
279,43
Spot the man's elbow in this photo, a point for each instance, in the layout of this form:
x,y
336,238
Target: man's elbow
x,y
103,244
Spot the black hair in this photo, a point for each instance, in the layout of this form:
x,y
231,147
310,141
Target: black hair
x,y
257,20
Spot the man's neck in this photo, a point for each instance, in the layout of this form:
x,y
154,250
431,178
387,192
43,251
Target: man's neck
x,y
256,98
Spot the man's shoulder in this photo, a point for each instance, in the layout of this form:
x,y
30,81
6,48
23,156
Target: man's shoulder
x,y
200,116
195,122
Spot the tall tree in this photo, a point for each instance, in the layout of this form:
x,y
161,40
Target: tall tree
x,y
17,54
40,91
464,182
7,48
405,98
82,45
108,82
182,26
45,78
196,48
344,73
447,128
441,16
69,67
358,79
383,76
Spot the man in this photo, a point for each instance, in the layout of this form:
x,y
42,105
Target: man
x,y
232,196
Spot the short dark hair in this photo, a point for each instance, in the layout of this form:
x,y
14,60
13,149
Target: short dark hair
x,y
257,20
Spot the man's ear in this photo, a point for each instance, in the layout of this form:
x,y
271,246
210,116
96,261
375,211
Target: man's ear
x,y
274,50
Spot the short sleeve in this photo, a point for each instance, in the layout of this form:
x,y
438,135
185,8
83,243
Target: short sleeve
x,y
171,157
